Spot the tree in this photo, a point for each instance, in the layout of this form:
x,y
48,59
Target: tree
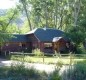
x,y
25,28
13,28
5,22
24,3
50,13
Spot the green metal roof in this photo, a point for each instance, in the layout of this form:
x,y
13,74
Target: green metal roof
x,y
46,34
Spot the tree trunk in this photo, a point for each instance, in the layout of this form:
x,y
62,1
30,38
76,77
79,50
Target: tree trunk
x,y
29,23
56,4
46,15
76,11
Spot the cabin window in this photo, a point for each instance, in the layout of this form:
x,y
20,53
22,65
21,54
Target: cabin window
x,y
23,45
20,44
47,45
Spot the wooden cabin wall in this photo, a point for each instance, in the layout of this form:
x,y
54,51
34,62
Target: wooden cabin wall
x,y
45,49
17,46
59,45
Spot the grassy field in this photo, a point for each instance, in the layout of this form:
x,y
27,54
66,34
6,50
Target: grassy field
x,y
47,59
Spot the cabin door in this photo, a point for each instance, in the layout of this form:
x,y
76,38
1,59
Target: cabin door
x,y
30,47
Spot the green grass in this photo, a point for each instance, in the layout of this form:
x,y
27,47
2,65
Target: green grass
x,y
77,72
47,60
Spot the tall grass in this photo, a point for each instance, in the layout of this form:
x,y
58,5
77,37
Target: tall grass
x,y
19,72
76,72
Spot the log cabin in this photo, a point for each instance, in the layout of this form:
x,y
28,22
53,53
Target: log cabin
x,y
45,39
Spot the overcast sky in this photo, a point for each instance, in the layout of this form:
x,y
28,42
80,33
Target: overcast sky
x,y
6,4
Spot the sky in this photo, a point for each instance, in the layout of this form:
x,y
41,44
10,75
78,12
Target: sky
x,y
6,4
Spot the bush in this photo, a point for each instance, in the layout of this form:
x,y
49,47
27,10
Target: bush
x,y
77,72
81,50
54,75
19,72
37,52
59,64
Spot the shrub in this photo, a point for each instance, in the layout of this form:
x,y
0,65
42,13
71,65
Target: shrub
x,y
81,50
54,75
43,75
77,72
19,72
59,64
37,52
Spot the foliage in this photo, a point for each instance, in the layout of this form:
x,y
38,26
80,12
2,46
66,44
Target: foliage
x,y
13,28
59,64
19,72
54,75
37,52
25,28
81,50
77,72
24,5
76,35
5,22
50,13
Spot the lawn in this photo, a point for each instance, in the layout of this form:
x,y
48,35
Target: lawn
x,y
47,59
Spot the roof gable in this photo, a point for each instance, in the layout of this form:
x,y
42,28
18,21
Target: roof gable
x,y
46,34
